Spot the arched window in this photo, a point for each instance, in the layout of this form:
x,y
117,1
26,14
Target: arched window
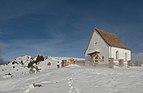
x,y
102,58
125,56
117,55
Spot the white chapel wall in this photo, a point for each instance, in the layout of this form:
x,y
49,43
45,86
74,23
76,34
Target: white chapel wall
x,y
122,53
97,43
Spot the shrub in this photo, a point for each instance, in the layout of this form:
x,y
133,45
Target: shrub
x,y
32,70
39,58
30,64
37,69
14,62
22,63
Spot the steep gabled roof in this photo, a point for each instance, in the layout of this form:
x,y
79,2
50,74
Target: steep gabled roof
x,y
111,39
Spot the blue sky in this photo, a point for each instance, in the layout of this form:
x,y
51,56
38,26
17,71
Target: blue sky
x,y
64,27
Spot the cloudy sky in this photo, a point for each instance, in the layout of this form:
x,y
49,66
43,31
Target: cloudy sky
x,y
63,27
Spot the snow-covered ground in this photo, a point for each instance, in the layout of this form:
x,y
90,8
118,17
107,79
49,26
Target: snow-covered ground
x,y
71,79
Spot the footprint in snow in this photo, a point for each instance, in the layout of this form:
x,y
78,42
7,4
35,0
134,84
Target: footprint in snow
x,y
72,88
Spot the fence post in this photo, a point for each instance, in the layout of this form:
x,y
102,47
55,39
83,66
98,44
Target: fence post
x,y
129,63
121,62
111,62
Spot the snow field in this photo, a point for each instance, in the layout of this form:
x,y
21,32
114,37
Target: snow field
x,y
72,79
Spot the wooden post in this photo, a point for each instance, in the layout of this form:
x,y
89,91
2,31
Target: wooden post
x,y
121,62
129,63
111,62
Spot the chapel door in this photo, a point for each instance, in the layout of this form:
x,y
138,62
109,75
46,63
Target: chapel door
x,y
96,61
